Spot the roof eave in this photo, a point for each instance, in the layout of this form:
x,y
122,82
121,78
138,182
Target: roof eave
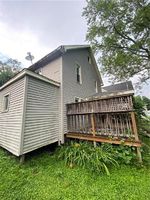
x,y
30,73
48,58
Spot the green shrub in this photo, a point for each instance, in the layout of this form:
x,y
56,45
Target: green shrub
x,y
146,149
85,155
123,154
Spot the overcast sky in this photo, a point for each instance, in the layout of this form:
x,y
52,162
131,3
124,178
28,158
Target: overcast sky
x,y
41,26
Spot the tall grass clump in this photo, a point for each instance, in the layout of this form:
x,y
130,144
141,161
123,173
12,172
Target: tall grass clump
x,y
85,155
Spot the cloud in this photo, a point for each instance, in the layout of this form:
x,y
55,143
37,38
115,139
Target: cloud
x,y
16,44
39,27
54,22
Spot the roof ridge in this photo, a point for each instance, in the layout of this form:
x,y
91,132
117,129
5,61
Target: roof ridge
x,y
56,53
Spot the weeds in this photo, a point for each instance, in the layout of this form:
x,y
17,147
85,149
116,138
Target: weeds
x,y
85,155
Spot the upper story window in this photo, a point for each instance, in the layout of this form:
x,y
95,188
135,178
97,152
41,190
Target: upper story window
x,y
78,99
6,102
78,74
96,87
89,60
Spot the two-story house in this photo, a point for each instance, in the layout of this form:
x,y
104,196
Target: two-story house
x,y
33,103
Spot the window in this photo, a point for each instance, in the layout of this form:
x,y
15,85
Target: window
x,y
96,87
78,73
6,102
89,60
78,99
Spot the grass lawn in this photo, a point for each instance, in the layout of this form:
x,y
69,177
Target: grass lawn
x,y
42,177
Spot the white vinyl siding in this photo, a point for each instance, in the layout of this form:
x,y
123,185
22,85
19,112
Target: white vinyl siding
x,y
53,70
11,121
42,115
70,87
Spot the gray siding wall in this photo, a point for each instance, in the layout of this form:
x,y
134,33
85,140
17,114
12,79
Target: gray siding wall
x,y
53,70
11,121
71,88
42,115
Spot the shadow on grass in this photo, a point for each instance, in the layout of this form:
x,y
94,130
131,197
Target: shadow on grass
x,y
33,158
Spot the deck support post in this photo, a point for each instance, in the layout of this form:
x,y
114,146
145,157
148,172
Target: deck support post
x,y
93,127
22,158
139,155
136,136
59,143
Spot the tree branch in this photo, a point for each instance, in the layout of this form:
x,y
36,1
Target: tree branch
x,y
126,37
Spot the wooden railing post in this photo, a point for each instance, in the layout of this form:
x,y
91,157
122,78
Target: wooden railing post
x,y
93,127
136,135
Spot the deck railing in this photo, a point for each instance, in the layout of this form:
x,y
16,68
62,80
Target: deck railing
x,y
117,104
110,120
118,124
111,117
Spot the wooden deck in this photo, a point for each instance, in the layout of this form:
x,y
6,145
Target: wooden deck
x,y
110,120
96,138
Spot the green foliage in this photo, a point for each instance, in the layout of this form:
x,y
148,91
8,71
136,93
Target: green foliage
x,y
121,153
146,149
147,102
43,177
119,32
85,155
8,69
139,106
144,126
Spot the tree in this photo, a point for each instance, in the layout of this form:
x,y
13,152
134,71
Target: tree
x,y
142,119
8,69
139,106
120,31
147,102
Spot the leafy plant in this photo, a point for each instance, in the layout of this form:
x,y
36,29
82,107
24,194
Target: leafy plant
x,y
140,104
85,155
146,149
123,154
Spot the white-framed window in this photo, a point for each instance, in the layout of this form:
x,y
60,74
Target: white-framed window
x,y
89,60
78,74
96,87
6,102
78,99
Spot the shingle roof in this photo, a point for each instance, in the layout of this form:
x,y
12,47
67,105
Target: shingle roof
x,y
120,89
125,86
55,54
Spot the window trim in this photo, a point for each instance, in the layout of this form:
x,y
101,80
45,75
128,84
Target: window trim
x,y
79,98
89,60
4,102
96,86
